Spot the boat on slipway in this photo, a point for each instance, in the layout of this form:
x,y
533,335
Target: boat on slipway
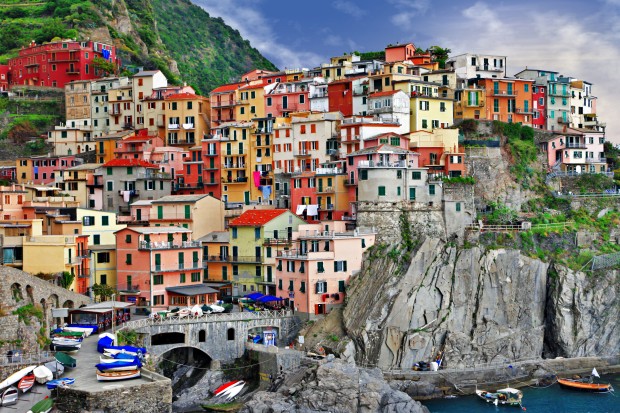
x,y
17,376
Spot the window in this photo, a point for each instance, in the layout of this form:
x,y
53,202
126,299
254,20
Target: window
x,y
526,87
412,194
424,124
302,287
158,279
87,221
363,174
291,285
128,239
424,105
230,334
129,170
279,284
257,233
234,233
340,266
110,186
103,257
105,220
381,191
416,175
442,106
458,207
182,278
341,286
96,239
321,287
290,266
319,267
128,259
431,189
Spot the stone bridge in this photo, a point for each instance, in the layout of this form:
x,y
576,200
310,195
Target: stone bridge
x,y
221,336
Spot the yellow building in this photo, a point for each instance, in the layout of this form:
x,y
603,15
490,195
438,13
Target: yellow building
x,y
201,213
234,150
430,108
251,101
261,161
382,81
187,119
105,145
73,181
471,103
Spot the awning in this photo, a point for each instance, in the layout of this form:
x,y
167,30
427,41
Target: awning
x,y
189,290
254,296
268,298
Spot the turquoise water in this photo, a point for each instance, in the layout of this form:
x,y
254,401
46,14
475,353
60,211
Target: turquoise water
x,y
535,400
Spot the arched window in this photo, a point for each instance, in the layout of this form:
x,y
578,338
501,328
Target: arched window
x,y
202,336
231,334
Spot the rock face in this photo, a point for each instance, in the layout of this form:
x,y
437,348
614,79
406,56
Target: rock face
x,y
337,387
582,314
479,306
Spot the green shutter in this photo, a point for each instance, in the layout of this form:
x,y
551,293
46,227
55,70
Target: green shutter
x,y
279,284
187,212
160,212
157,259
341,286
416,175
431,189
195,256
381,191
319,266
412,194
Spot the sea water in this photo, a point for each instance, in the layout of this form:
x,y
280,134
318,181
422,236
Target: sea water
x,y
540,400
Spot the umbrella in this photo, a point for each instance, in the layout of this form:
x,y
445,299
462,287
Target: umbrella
x,y
254,296
268,298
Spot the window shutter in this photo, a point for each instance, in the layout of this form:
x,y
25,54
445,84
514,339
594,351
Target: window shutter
x,y
341,286
317,289
344,265
335,266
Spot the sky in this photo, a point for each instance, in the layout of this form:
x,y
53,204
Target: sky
x,y
578,38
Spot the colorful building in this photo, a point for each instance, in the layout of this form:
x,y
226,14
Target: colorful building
x,y
217,267
202,213
313,276
153,261
187,121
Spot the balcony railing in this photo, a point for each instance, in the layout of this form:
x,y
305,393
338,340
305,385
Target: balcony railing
x,y
496,92
328,171
577,145
239,180
524,111
375,164
233,259
490,68
127,287
188,126
132,192
173,126
303,152
166,245
325,190
596,160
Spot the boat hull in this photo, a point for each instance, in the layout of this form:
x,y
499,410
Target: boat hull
x,y
117,375
43,374
225,386
17,376
492,398
60,382
43,406
585,387
26,383
10,396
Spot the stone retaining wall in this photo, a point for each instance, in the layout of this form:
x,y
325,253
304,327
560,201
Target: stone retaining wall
x,y
149,397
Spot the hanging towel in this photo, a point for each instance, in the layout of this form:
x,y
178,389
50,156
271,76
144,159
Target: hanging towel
x,y
313,210
256,175
266,192
126,196
300,209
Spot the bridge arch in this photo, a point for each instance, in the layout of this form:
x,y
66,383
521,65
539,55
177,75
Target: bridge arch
x,y
167,338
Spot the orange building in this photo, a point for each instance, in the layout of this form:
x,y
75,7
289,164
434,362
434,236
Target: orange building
x,y
508,100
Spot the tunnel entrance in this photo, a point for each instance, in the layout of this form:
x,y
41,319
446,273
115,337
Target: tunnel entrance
x,y
185,366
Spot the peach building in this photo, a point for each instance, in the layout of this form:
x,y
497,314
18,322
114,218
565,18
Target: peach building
x,y
313,276
160,267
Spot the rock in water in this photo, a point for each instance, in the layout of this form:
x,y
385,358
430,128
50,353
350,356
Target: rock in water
x,y
337,387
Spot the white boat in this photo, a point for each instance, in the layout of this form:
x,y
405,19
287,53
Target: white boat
x,y
232,389
197,311
66,342
17,376
55,367
43,374
111,352
87,331
235,391
9,396
217,308
107,360
118,375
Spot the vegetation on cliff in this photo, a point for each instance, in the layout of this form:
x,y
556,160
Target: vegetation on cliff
x,y
162,34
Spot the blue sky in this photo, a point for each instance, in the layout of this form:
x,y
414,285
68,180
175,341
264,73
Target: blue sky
x,y
579,38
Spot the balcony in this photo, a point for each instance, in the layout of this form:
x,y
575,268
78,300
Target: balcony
x,y
349,182
561,94
233,259
576,145
231,180
596,160
291,107
167,245
334,234
233,166
132,192
225,103
490,68
302,153
74,261
505,93
181,142
188,126
276,241
173,126
328,171
327,207
73,71
594,123
95,181
128,288
472,104
325,190
210,153
196,185
375,164
149,174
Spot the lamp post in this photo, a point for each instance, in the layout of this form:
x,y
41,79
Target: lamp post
x,y
113,311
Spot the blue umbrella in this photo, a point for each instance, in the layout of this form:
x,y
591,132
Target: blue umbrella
x,y
268,298
254,296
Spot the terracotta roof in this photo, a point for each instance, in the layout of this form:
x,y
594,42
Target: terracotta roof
x,y
130,162
386,93
256,217
227,88
183,96
137,138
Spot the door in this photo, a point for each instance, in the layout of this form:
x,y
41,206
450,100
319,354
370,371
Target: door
x,y
284,102
246,197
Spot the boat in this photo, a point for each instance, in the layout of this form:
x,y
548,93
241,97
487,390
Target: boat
x,y
42,406
225,386
9,396
112,352
119,365
232,389
66,360
117,375
68,334
235,390
26,382
87,331
55,367
579,384
502,397
65,381
68,348
66,341
17,376
42,374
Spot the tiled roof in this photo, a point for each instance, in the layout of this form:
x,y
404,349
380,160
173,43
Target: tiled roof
x,y
138,138
386,93
226,88
256,217
129,162
146,73
179,198
182,96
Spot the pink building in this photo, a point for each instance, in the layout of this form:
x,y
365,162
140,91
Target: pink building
x,y
12,201
169,160
314,275
43,169
135,146
160,267
287,97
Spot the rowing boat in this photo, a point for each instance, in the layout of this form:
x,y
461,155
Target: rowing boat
x,y
17,376
43,406
117,375
585,386
26,382
225,386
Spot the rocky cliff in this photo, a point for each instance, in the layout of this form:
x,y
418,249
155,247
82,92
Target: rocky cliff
x,y
478,306
336,387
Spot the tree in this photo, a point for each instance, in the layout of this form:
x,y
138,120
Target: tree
x,y
109,68
440,55
66,279
103,291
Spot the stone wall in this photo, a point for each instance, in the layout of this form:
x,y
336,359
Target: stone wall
x,y
150,397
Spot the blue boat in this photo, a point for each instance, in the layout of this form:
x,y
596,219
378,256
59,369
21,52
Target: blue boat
x,y
120,365
65,381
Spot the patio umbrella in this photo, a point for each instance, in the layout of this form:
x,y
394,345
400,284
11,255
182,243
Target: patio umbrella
x,y
268,298
254,296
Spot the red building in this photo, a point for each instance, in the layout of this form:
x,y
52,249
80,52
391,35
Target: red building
x,y
539,105
55,64
4,77
340,96
303,193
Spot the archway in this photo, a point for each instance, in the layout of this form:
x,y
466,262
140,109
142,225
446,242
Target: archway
x,y
16,292
185,366
30,294
53,300
68,304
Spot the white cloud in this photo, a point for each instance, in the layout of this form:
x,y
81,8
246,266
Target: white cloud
x,y
349,8
244,16
407,10
583,48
